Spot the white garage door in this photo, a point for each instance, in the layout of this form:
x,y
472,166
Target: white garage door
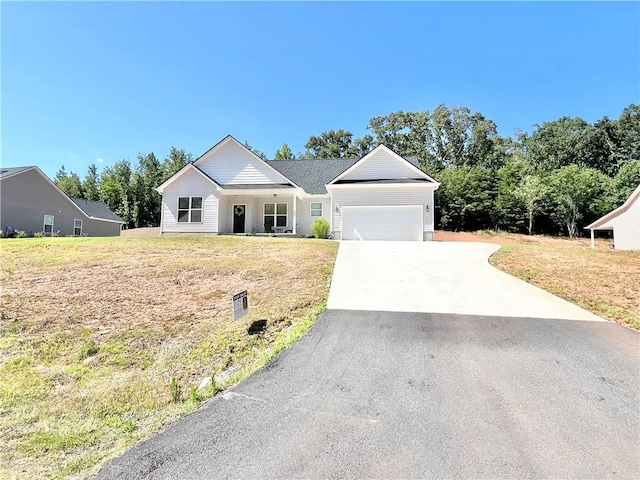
x,y
398,222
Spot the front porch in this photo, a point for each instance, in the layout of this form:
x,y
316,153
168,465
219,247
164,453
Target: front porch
x,y
258,211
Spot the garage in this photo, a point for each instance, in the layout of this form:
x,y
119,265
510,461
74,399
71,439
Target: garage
x,y
382,222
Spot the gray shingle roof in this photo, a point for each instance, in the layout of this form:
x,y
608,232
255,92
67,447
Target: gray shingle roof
x,y
7,172
313,174
96,209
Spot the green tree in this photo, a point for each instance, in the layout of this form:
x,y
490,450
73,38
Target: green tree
x,y
146,200
284,153
577,195
465,198
509,211
173,162
568,141
69,183
91,184
259,153
623,184
117,190
530,192
330,144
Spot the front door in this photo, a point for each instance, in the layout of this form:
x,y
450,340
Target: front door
x,y
238,218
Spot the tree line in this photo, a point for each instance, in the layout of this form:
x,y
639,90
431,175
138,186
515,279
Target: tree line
x,y
128,190
562,176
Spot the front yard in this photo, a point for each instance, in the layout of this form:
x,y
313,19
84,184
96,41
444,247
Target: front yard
x,y
104,341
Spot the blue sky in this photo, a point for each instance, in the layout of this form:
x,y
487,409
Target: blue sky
x,y
87,82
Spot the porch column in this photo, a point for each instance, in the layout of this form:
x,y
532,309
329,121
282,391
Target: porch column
x,y
295,214
593,242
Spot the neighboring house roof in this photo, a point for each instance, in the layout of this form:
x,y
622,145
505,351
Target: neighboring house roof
x,y
93,210
9,172
601,223
96,210
313,174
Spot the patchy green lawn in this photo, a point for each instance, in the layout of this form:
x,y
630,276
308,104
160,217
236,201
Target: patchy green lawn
x,y
104,341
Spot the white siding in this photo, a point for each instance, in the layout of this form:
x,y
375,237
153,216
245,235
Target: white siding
x,y
231,164
626,228
191,184
406,194
381,165
305,220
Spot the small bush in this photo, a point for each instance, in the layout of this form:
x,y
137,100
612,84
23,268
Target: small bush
x,y
320,228
21,234
176,391
88,347
56,233
38,235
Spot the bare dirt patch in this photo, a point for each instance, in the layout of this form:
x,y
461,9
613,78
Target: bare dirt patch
x,y
93,331
602,280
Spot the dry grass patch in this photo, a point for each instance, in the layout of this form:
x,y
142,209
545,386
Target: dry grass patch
x,y
601,280
93,331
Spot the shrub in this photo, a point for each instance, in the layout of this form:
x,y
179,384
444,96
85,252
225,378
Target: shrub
x,y
21,234
320,228
38,235
176,390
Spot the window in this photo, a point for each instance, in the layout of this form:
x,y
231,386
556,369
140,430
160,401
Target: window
x,y
316,209
190,209
275,214
48,224
77,227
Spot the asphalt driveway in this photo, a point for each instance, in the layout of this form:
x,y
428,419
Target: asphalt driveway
x,y
412,395
438,277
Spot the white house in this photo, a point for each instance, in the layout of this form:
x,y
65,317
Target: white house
x,y
624,221
229,189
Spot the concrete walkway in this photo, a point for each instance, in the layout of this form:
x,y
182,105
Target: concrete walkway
x,y
437,277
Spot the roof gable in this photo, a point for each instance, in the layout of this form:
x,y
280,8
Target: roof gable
x,y
602,222
382,164
189,167
231,163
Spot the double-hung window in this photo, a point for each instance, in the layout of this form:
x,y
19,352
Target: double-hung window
x,y
77,227
275,214
316,209
190,209
48,224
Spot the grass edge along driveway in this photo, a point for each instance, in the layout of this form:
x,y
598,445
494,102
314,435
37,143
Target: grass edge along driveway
x,y
103,341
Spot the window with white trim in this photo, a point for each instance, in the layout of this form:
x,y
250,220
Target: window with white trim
x,y
316,209
190,209
48,224
77,227
275,214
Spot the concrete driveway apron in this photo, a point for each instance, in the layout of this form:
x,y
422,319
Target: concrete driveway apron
x,y
437,277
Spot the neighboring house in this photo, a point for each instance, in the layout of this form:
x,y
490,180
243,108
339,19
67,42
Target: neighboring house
x,y
229,189
624,221
31,202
